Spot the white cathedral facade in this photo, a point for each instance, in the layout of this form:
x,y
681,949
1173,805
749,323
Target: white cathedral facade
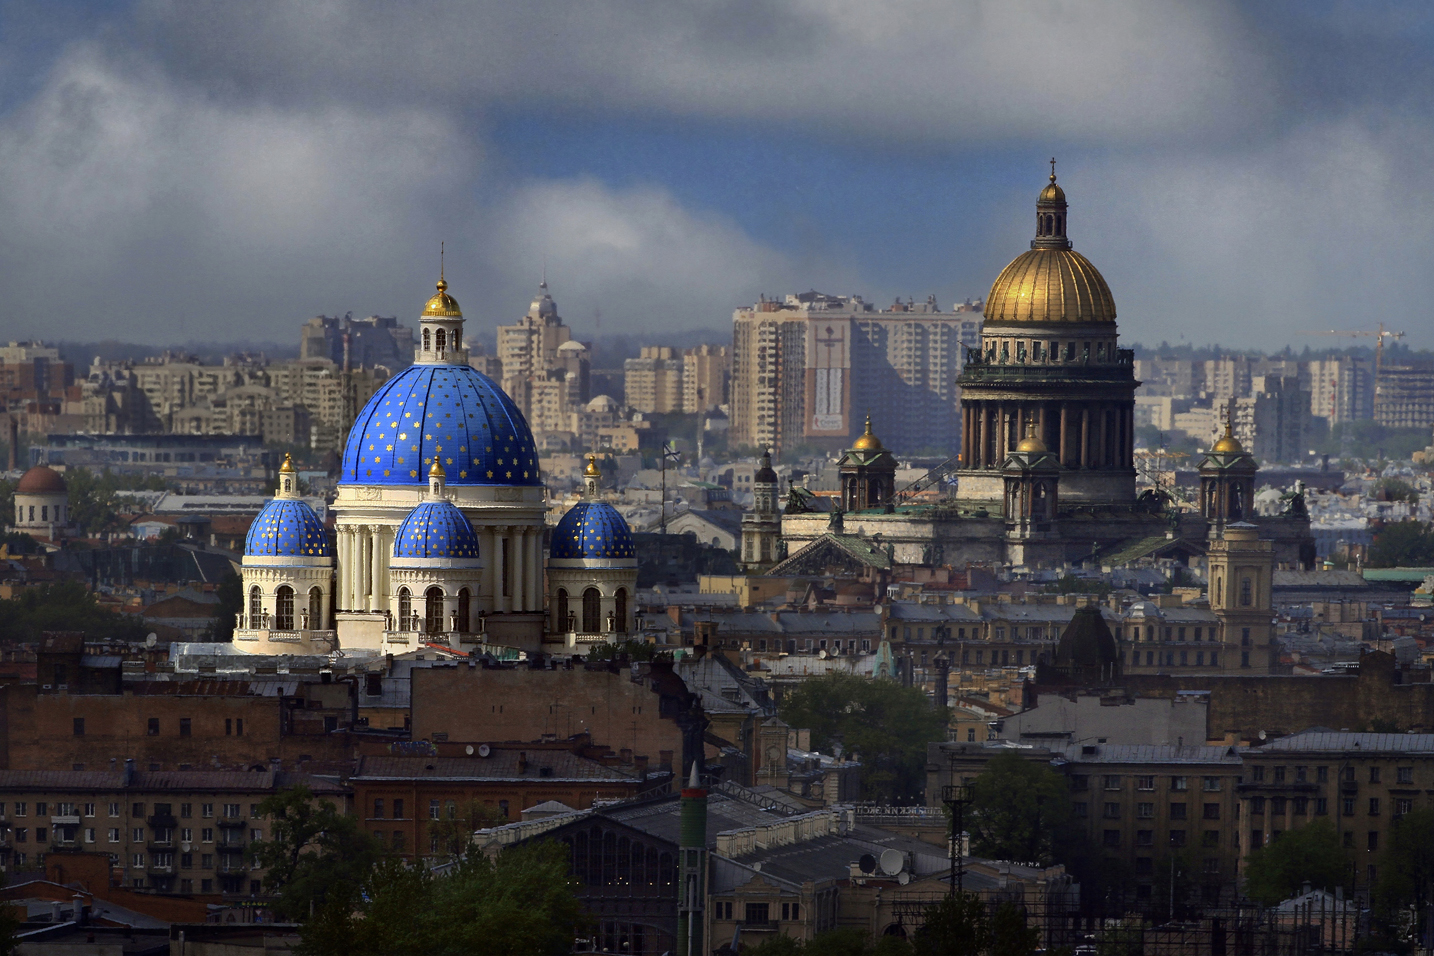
x,y
440,532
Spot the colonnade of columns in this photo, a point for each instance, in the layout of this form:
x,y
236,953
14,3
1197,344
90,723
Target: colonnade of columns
x,y
1087,435
512,567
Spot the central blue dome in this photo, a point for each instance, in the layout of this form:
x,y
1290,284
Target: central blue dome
x,y
287,528
452,411
435,529
592,529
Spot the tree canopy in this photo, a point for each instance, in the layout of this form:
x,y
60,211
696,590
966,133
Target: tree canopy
x,y
522,901
1309,854
1020,810
1402,544
880,721
64,606
1406,876
93,505
315,852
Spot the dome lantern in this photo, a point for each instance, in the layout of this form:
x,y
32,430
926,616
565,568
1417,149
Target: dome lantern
x,y
441,327
592,476
1051,216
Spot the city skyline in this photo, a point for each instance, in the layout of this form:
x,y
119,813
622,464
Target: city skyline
x,y
1253,170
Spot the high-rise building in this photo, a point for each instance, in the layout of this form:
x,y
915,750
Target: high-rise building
x,y
1404,396
543,369
350,342
652,382
807,369
1341,389
706,371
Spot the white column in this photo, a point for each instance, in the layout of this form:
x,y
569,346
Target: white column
x,y
382,556
365,560
375,559
346,568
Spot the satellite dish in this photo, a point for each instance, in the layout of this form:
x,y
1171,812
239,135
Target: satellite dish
x,y
1262,735
822,655
892,862
867,863
468,750
903,877
151,640
484,750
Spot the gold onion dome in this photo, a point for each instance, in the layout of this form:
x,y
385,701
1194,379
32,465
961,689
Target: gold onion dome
x,y
287,468
436,469
592,470
1032,442
867,441
1052,283
1228,443
442,304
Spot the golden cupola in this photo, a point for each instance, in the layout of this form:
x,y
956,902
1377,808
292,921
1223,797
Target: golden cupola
x,y
867,441
1052,283
443,305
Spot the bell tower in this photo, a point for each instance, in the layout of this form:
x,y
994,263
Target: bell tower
x,y
762,526
1227,481
1241,573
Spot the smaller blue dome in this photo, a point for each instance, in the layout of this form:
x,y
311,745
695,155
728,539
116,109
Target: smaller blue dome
x,y
592,529
287,528
436,529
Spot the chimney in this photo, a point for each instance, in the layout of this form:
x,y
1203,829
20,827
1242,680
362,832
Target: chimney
x,y
640,761
523,762
625,756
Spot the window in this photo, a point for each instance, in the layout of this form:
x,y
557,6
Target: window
x,y
284,608
1347,774
41,808
1322,774
1374,806
206,835
1279,775
1144,837
1111,838
1300,806
433,810
184,726
206,810
1177,837
378,808
1177,811
1212,811
1080,809
1112,811
1259,774
1145,783
1277,806
1373,774
1247,591
1145,811
20,808
136,835
135,810
756,913
398,809
1373,840
114,810
153,730
592,611
114,835
1403,806
186,810
89,809
1112,782
791,911
1257,839
22,835
723,909
1212,785
1404,774
1349,806
1179,783
79,727
1210,838
206,861
206,886
1257,805
186,835
137,861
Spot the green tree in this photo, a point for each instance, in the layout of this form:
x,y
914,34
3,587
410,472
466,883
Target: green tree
x,y
779,945
454,828
1309,854
1407,875
65,606
1402,544
314,852
957,926
1126,938
1020,810
231,602
883,723
522,901
1010,936
839,942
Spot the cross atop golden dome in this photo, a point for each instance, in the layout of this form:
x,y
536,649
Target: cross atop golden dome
x,y
867,441
1052,193
1031,443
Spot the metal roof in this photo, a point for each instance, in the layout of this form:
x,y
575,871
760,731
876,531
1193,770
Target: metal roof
x,y
1149,754
1342,741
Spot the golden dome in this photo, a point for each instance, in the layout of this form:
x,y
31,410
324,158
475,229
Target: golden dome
x,y
287,468
867,441
1032,442
1052,192
435,470
1050,285
1228,444
592,470
443,305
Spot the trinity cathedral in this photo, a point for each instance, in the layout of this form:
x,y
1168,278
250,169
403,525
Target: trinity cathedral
x,y
440,537
1046,474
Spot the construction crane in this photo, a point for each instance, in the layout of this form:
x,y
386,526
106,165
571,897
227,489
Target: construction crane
x,y
1379,338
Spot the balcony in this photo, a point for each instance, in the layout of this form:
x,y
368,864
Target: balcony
x,y
314,638
161,869
231,846
158,844
68,820
162,821
230,823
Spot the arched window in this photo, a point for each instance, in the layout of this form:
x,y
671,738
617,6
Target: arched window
x,y
592,611
440,340
1247,592
256,606
316,609
463,617
405,608
284,608
620,609
426,342
433,610
564,624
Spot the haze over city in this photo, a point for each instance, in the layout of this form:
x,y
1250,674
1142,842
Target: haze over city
x,y
218,172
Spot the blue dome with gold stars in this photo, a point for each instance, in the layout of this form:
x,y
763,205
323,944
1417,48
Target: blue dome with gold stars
x,y
436,529
592,529
454,412
287,528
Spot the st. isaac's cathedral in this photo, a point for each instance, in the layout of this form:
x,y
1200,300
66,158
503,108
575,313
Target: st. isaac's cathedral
x,y
439,527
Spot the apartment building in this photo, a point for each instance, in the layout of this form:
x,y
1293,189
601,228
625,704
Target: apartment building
x,y
706,375
1404,396
653,382
545,372
808,369
1341,389
351,343
169,831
